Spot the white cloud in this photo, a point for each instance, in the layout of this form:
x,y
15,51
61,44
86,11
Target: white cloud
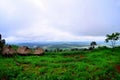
x,y
7,8
53,20
42,4
47,33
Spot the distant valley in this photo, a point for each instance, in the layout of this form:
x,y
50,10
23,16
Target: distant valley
x,y
52,45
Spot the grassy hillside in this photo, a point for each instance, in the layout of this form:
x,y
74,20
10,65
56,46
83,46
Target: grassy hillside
x,y
98,64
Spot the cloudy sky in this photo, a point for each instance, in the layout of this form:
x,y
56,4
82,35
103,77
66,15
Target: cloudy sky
x,y
58,20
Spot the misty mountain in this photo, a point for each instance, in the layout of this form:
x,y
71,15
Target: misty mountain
x,y
47,45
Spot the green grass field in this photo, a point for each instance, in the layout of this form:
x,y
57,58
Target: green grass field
x,y
98,64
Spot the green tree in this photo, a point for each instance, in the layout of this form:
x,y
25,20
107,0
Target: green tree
x,y
112,38
93,44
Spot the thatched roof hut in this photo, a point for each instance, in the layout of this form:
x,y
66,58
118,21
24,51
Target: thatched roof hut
x,y
8,50
24,50
38,51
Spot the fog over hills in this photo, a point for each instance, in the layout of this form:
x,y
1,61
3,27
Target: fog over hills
x,y
52,45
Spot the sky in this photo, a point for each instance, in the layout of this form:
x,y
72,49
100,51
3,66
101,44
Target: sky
x,y
58,20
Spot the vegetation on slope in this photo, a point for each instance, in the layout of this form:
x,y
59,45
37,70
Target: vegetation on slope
x,y
98,64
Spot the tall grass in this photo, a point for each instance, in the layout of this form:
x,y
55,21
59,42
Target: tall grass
x,y
98,64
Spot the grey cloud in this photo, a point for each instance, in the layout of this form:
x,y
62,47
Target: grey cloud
x,y
77,17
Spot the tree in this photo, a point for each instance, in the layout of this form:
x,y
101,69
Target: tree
x,y
93,44
2,43
112,38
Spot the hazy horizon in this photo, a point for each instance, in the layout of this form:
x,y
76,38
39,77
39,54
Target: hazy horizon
x,y
58,20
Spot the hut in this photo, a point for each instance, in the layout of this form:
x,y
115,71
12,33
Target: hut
x,y
8,50
38,51
24,50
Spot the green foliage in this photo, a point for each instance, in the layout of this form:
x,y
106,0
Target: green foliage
x,y
112,38
98,64
93,44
